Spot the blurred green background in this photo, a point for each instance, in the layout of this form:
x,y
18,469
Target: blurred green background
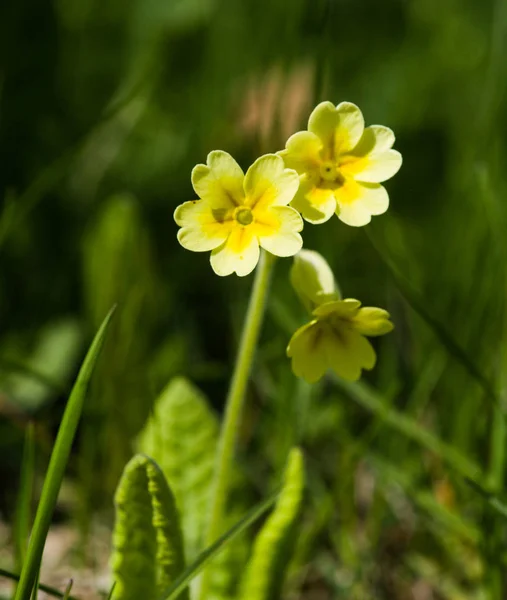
x,y
105,107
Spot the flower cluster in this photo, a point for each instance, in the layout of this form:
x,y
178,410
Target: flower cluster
x,y
336,166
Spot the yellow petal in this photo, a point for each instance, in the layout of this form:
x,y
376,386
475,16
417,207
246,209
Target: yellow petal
x,y
340,308
372,168
238,254
348,353
285,239
302,151
372,321
219,181
269,183
201,231
305,350
350,127
316,204
375,139
357,201
312,279
323,122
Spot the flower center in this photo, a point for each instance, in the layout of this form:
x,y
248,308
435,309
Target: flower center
x,y
328,171
243,215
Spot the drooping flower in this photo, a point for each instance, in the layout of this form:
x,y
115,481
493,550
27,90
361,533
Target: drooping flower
x,y
341,165
335,337
237,213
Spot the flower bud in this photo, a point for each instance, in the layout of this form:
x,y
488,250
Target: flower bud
x,y
312,279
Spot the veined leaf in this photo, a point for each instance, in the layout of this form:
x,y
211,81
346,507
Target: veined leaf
x,y
264,574
181,436
148,547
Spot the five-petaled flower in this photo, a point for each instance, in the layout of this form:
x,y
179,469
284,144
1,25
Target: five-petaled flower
x,y
341,165
335,337
237,213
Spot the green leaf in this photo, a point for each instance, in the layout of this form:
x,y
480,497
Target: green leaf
x,y
35,379
369,399
50,591
182,436
148,546
68,589
23,516
212,551
57,465
264,575
499,505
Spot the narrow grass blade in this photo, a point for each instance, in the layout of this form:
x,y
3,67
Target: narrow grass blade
x,y
47,589
445,519
66,596
35,590
111,591
57,465
367,398
197,566
498,505
23,516
414,300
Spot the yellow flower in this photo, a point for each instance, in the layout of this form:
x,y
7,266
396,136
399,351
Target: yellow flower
x,y
341,165
335,340
237,213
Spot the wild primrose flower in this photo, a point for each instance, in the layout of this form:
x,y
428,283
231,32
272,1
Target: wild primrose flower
x,y
341,165
335,337
237,213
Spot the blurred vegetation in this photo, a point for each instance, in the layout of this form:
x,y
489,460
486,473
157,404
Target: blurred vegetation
x,y
105,107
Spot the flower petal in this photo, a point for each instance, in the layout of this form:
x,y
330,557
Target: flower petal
x,y
269,183
305,350
316,204
348,353
341,308
238,254
323,122
219,181
201,229
357,201
350,127
375,139
285,239
372,321
302,151
373,168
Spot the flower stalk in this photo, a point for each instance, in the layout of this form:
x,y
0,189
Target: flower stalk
x,y
234,404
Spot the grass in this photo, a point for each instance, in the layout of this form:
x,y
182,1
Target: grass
x,y
103,113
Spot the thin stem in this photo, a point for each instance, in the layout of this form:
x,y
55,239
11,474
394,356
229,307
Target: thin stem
x,y
234,403
23,517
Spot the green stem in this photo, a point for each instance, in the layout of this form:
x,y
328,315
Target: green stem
x,y
234,403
